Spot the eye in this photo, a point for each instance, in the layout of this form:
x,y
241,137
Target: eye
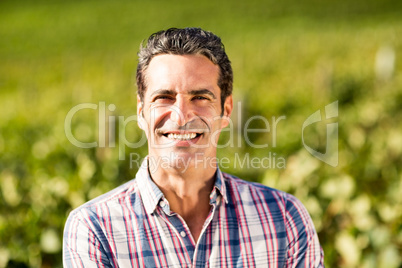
x,y
200,98
163,98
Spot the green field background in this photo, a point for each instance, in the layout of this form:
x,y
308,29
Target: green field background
x,y
290,58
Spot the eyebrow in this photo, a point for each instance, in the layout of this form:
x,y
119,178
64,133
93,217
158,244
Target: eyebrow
x,y
194,92
163,92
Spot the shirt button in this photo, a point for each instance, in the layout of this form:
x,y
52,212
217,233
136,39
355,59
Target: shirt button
x,y
183,234
162,203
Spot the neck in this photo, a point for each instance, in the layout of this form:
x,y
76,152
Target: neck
x,y
184,177
187,192
190,184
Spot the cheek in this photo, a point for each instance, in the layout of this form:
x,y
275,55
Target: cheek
x,y
156,115
143,124
210,111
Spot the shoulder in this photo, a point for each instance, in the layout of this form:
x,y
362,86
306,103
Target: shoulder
x,y
257,192
257,198
246,187
124,194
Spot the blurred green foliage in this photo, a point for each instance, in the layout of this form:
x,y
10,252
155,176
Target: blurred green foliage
x,y
290,58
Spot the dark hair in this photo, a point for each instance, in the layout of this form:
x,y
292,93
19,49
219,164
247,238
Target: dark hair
x,y
187,41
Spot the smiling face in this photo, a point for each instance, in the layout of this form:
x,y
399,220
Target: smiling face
x,y
181,111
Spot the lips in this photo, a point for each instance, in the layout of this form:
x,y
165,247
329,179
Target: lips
x,y
187,136
182,136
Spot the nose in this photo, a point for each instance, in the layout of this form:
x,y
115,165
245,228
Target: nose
x,y
181,112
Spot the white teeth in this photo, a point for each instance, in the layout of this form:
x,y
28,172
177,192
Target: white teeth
x,y
187,136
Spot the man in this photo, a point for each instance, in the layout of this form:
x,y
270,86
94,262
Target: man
x,y
181,210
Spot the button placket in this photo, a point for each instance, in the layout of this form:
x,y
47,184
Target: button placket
x,y
182,232
199,256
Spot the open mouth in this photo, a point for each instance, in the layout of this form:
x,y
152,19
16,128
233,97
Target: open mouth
x,y
182,136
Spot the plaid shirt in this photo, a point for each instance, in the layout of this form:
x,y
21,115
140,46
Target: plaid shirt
x,y
249,225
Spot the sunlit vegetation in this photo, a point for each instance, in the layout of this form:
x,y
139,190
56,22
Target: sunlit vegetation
x,y
290,59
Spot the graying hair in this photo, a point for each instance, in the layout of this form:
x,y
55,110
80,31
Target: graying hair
x,y
187,41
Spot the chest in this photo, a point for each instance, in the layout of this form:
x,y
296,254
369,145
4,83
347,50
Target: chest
x,y
230,237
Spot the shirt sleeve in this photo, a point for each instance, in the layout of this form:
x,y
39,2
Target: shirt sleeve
x,y
304,248
81,247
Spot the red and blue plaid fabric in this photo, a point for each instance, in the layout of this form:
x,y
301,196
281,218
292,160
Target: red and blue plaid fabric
x,y
249,225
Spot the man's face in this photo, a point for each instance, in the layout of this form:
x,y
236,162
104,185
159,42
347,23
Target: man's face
x,y
182,108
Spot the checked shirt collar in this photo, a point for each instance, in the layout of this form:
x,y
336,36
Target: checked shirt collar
x,y
151,195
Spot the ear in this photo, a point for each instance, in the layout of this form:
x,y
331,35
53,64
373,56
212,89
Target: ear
x,y
227,111
140,115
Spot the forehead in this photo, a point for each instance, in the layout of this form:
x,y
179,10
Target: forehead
x,y
181,72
